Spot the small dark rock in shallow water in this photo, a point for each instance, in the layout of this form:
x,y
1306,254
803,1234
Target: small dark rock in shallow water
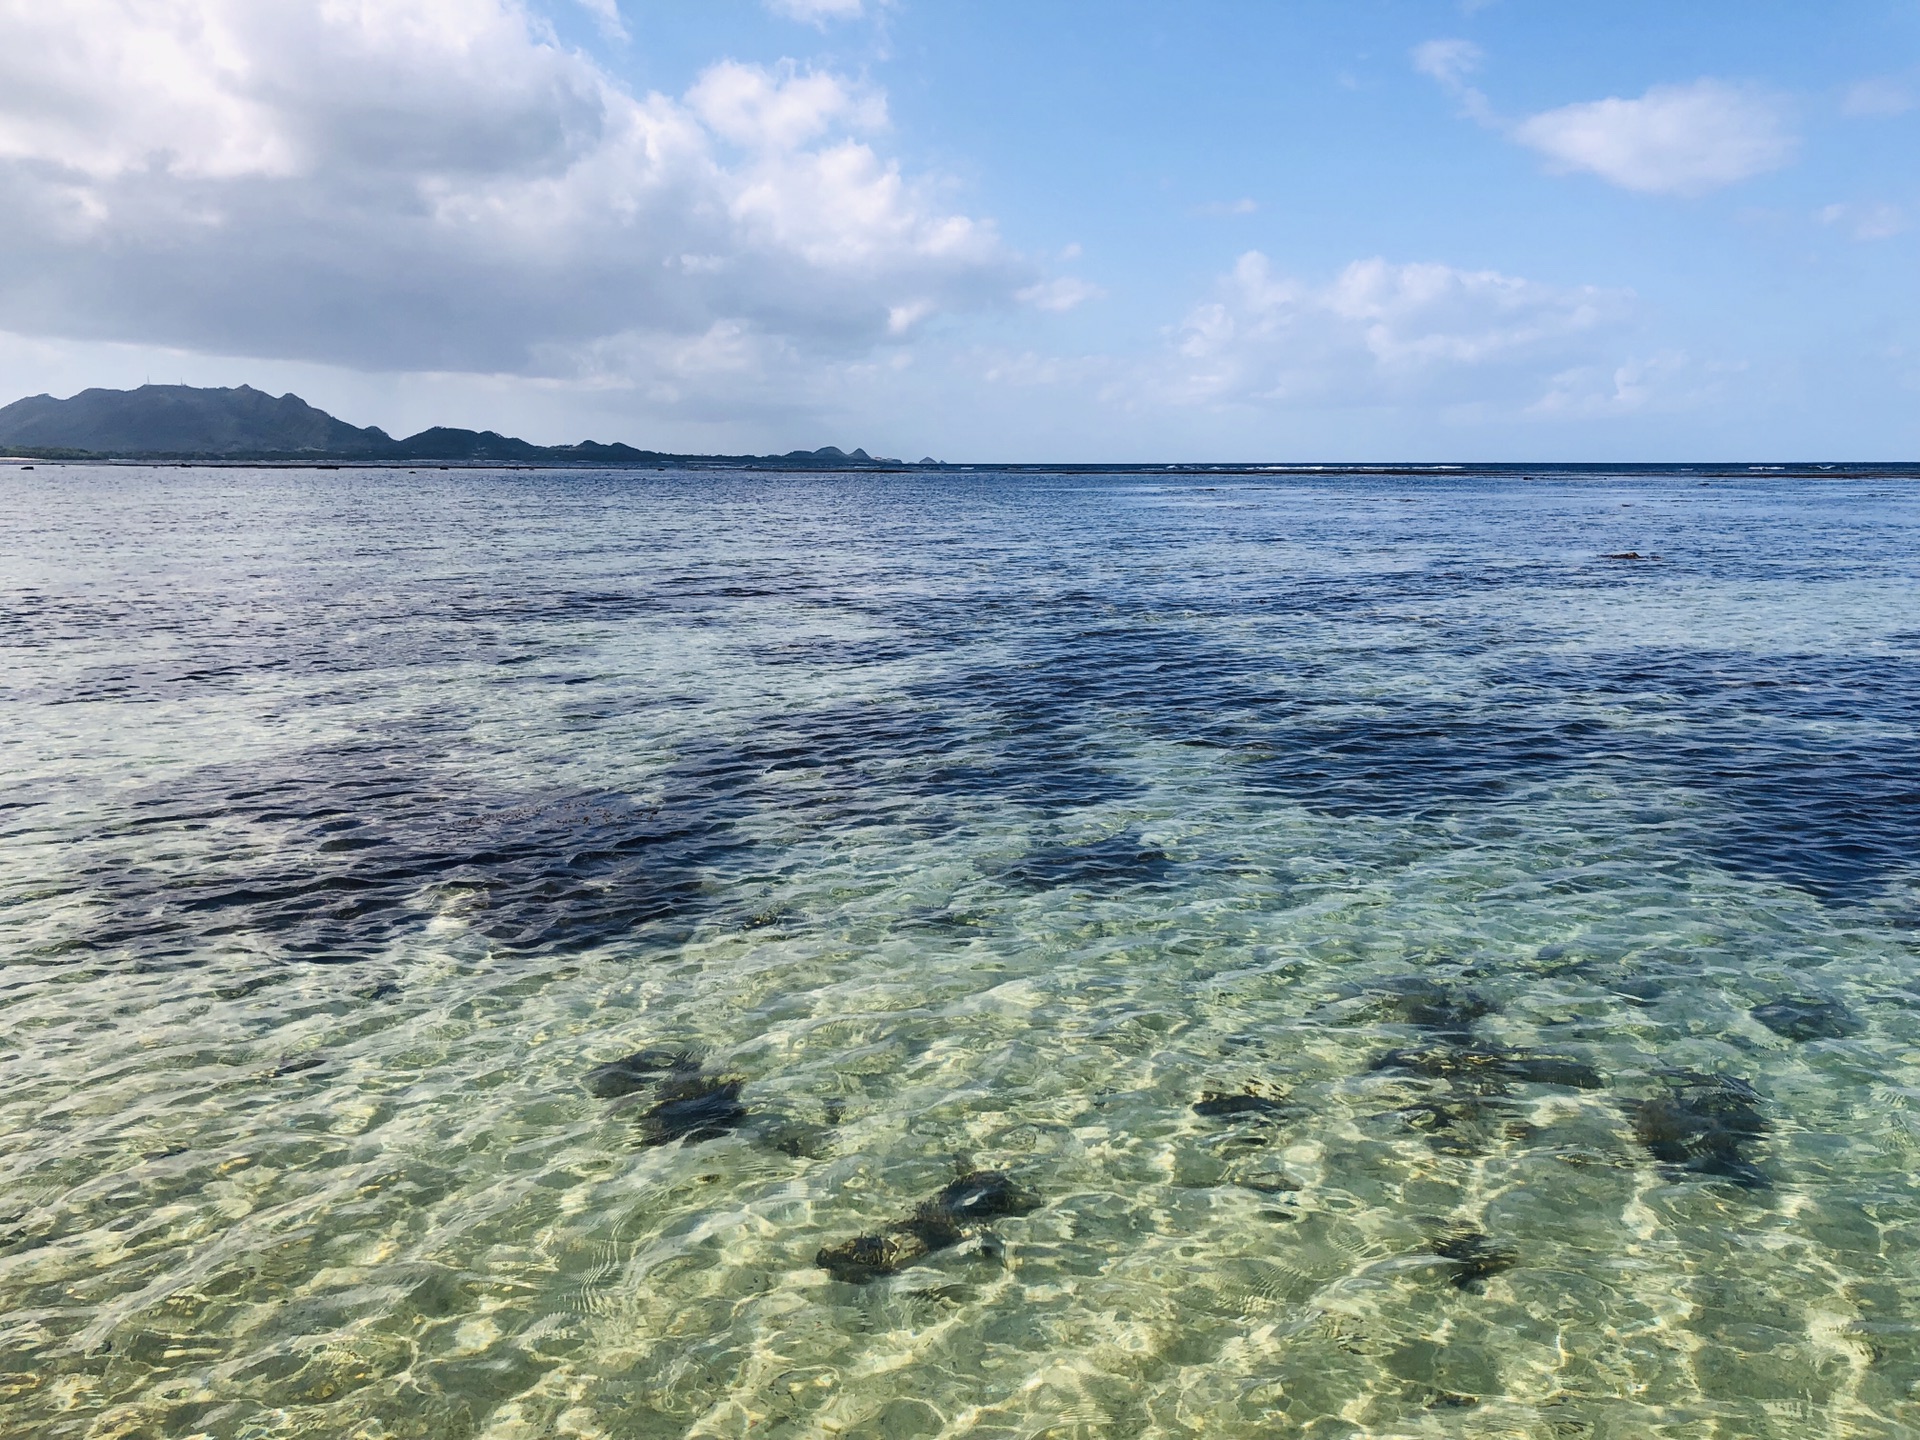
x,y
870,1257
693,1107
638,1070
1216,1106
1798,1018
379,990
1699,1126
1462,1127
1431,1006
1475,1258
1640,991
981,1195
935,1225
1488,1067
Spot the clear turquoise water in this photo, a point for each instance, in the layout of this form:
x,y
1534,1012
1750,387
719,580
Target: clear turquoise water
x,y
351,819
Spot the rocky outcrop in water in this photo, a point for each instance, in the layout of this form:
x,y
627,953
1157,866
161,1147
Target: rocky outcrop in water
x,y
1490,1069
1701,1126
1800,1018
939,1223
1476,1258
638,1071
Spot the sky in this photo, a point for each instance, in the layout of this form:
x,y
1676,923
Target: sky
x,y
1105,230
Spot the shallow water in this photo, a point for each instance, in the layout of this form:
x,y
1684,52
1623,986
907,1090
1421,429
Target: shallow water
x,y
352,819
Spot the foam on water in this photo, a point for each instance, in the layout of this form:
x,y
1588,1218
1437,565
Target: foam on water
x,y
1534,931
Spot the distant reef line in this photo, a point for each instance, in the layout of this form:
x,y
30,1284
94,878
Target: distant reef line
x,y
185,424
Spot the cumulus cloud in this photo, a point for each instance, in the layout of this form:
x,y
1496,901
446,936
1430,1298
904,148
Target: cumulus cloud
x,y
1059,295
1634,385
1674,140
1879,97
441,185
818,12
607,12
1383,333
1865,222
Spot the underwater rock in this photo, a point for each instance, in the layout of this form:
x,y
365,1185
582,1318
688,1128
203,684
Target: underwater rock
x,y
1476,1258
936,1224
693,1107
1801,1018
1459,1128
1486,1068
638,1070
870,1257
797,1139
981,1195
1639,990
1424,1003
1699,1126
1215,1105
297,1064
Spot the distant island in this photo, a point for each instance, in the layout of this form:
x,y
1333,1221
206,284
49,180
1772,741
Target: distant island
x,y
240,424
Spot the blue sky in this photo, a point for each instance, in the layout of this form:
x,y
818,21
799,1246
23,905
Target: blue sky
x,y
1127,231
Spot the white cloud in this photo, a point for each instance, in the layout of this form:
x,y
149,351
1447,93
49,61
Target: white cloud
x,y
1059,295
781,109
607,12
1628,388
1674,140
1381,333
1865,222
1879,97
1450,62
441,185
818,12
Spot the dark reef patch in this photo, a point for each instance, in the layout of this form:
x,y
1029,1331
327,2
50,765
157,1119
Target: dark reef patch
x,y
331,854
936,1224
639,1070
693,1107
1476,1258
1115,860
1215,1105
1701,1127
1802,1018
1490,1069
1789,797
1458,1125
1445,1010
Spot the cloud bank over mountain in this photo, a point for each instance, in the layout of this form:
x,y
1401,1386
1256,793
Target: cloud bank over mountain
x,y
443,185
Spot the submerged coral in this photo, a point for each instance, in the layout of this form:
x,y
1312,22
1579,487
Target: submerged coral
x,y
936,1224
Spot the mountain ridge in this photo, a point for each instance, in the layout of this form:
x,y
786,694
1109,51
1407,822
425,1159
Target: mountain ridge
x,y
237,423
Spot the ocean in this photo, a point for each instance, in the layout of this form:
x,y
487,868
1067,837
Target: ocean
x,y
1336,953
